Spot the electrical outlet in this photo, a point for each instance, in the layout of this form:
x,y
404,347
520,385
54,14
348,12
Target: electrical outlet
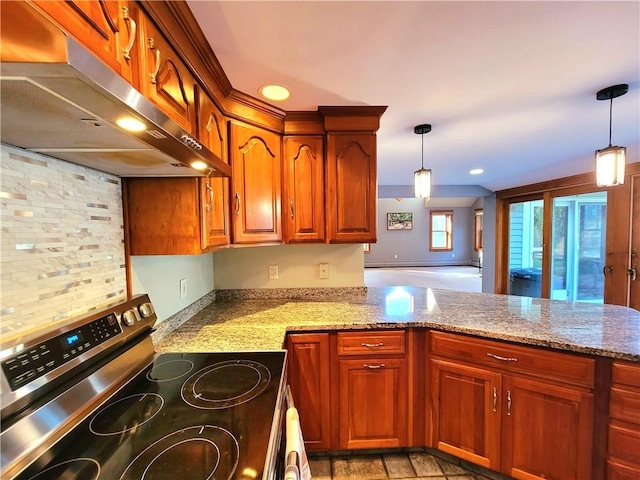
x,y
323,270
273,272
183,288
395,256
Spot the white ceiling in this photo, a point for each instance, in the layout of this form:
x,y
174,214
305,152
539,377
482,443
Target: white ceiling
x,y
508,86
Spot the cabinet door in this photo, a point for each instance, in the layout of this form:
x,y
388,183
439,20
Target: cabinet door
x,y
107,28
466,412
256,184
373,403
214,220
163,216
212,133
303,216
165,79
351,188
308,364
547,430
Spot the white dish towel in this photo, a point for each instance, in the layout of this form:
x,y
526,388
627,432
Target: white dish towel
x,y
295,443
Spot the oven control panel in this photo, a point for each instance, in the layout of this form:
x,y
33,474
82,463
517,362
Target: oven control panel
x,y
40,359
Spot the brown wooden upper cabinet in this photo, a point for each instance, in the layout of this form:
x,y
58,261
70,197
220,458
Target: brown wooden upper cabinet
x,y
303,214
173,216
256,184
351,173
212,132
107,28
165,78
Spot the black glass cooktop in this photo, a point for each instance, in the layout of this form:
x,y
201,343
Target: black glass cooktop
x,y
186,416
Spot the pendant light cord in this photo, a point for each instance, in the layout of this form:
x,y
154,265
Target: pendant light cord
x,y
422,164
610,116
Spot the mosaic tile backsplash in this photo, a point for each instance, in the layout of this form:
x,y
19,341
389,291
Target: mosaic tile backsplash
x,y
62,242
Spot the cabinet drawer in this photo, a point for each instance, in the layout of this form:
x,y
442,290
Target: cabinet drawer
x,y
562,367
625,405
624,443
626,374
367,343
617,471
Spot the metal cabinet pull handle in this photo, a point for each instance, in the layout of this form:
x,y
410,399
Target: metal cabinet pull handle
x,y
504,359
237,203
210,190
131,26
372,345
152,47
495,399
509,403
374,367
606,268
291,203
633,273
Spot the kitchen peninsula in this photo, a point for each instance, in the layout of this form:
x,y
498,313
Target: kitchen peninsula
x,y
261,322
530,387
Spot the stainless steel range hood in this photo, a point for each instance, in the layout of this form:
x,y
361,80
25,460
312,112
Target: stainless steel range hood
x,y
68,110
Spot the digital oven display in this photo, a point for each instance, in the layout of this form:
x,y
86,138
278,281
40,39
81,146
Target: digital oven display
x,y
71,340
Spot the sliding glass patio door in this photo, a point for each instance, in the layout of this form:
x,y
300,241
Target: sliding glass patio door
x,y
572,265
578,233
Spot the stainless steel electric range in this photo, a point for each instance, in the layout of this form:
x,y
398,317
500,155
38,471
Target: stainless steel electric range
x,y
93,401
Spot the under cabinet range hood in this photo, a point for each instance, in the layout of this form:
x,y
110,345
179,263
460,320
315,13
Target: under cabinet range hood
x,y
68,109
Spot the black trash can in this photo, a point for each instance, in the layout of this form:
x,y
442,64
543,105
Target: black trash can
x,y
526,282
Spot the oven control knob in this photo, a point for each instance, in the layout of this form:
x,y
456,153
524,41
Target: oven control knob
x,y
146,310
129,317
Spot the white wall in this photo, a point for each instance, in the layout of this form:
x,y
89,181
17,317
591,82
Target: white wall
x,y
243,268
397,248
160,276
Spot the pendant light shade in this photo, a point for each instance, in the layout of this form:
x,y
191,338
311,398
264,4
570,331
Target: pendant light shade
x,y
422,177
422,180
610,161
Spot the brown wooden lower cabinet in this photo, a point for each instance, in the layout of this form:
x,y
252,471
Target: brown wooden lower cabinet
x,y
527,427
547,430
528,412
467,423
373,403
308,375
623,445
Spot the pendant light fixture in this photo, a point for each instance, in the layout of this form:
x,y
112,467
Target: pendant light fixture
x,y
422,177
610,161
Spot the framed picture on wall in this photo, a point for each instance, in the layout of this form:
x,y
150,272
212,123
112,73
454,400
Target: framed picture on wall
x,y
400,221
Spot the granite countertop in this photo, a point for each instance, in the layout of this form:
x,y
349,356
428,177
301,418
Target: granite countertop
x,y
261,323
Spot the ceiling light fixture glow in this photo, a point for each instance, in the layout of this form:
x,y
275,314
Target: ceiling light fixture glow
x,y
610,161
422,177
476,171
131,124
275,92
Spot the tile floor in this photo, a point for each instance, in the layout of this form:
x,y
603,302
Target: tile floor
x,y
426,465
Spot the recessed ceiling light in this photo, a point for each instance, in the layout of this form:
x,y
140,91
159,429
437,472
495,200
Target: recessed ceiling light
x,y
476,171
199,165
131,124
275,92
